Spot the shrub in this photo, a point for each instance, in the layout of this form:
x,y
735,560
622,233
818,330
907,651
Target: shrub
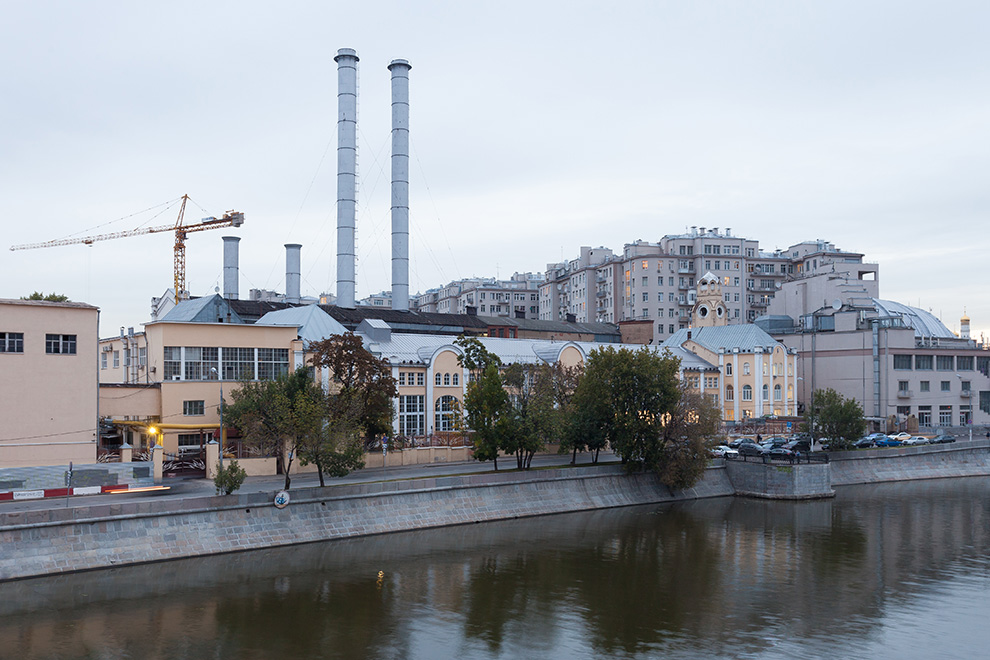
x,y
229,479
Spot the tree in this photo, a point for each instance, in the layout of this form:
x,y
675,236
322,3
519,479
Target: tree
x,y
536,418
358,374
835,417
338,449
229,478
51,297
681,455
488,413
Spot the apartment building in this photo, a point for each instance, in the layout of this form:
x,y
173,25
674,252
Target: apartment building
x,y
48,393
516,297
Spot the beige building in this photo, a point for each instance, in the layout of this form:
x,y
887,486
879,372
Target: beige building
x,y
48,393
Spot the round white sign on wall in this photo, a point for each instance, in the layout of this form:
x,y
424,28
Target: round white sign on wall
x,y
281,499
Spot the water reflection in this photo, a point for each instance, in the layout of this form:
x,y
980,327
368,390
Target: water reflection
x,y
726,577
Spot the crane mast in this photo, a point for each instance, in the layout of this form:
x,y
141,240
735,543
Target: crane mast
x,y
229,219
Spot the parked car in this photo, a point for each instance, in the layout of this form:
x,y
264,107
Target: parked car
x,y
798,445
864,443
780,454
724,451
876,436
942,439
735,442
777,440
750,449
902,436
917,440
887,441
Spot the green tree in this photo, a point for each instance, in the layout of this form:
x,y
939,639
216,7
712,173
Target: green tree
x,y
339,448
488,413
229,478
538,418
681,454
835,417
51,297
367,380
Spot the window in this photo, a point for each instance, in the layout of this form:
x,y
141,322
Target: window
x,y
946,386
778,393
902,386
190,443
446,379
437,378
172,362
965,415
965,386
711,382
730,393
964,363
199,362
745,368
103,360
60,344
646,296
445,413
420,378
193,408
944,362
945,415
923,362
238,364
143,356
412,415
747,393
766,392
455,378
925,386
924,415
402,378
12,342
903,411
272,363
902,362
728,368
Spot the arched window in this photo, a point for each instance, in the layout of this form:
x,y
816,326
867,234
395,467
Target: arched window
x,y
747,392
745,368
446,379
766,392
728,368
456,379
436,378
445,413
778,392
730,393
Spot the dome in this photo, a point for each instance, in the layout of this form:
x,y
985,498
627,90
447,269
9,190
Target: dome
x,y
925,324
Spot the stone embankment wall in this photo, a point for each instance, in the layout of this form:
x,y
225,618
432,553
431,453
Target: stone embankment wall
x,y
780,482
62,540
866,466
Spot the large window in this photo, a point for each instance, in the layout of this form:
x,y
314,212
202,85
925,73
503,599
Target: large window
x,y
730,393
923,362
945,415
778,393
766,392
193,408
272,363
173,362
60,344
747,393
902,362
924,415
238,364
412,415
944,362
11,342
964,363
199,362
445,407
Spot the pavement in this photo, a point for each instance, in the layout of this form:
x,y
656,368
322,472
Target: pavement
x,y
180,488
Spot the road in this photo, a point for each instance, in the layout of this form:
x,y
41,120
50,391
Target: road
x,y
183,488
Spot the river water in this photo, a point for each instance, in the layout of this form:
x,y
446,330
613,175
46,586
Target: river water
x,y
887,571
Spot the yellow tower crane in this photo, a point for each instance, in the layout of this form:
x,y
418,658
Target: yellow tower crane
x,y
229,219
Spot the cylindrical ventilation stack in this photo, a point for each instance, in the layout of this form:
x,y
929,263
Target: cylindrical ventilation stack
x,y
346,60
230,266
292,276
400,184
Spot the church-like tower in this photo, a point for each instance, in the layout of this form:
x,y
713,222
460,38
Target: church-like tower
x,y
709,308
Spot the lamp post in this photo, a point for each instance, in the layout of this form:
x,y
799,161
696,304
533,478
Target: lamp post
x,y
220,409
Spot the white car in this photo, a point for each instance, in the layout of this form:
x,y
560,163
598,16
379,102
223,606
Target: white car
x,y
902,436
723,451
916,440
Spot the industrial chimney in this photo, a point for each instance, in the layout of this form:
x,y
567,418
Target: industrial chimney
x,y
400,184
292,276
346,60
230,274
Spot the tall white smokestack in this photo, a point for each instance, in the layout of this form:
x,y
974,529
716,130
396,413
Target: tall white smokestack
x,y
230,274
346,60
292,272
400,184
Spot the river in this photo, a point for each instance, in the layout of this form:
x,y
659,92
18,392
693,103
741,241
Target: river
x,y
886,571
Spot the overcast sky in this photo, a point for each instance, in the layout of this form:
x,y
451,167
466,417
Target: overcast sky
x,y
536,128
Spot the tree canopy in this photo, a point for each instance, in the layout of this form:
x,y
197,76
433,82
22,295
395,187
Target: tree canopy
x,y
49,297
835,417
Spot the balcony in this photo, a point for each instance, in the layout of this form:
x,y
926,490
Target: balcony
x,y
904,394
966,394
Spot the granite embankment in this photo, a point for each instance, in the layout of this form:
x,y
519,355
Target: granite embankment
x,y
61,540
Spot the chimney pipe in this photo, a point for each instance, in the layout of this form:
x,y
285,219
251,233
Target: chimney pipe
x,y
292,276
400,184
346,60
230,274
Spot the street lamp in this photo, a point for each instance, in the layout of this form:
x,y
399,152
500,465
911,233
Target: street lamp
x,y
220,408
